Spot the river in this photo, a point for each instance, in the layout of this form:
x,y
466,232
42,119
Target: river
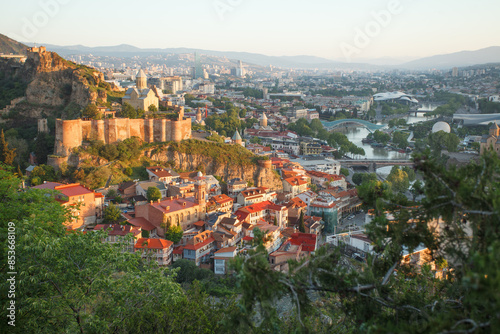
x,y
357,134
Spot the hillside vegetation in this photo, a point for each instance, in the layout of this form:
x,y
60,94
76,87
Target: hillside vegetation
x,y
8,46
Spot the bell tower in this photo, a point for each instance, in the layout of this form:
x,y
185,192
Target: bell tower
x,y
141,80
200,189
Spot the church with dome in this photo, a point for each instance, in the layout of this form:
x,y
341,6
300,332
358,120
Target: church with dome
x,y
491,140
140,96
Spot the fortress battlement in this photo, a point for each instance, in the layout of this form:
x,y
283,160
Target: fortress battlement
x,y
72,133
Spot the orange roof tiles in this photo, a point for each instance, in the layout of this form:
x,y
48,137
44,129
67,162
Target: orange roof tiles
x,y
153,243
296,181
222,199
159,171
257,207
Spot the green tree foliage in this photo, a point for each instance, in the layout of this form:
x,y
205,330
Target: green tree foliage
x,y
488,107
44,146
73,282
152,108
227,123
90,111
255,140
410,172
112,193
398,179
389,108
385,294
344,171
381,137
400,139
128,171
453,103
126,150
42,173
397,122
112,214
252,92
128,111
109,152
417,189
11,87
359,178
7,154
443,141
153,194
174,233
302,227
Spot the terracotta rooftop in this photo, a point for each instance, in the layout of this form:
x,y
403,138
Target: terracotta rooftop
x,y
153,243
226,250
221,199
143,223
296,181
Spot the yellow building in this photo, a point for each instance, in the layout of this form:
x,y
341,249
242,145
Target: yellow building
x,y
491,141
141,97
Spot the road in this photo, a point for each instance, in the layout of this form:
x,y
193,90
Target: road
x,y
358,220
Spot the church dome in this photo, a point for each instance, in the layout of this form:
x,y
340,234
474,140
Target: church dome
x,y
441,126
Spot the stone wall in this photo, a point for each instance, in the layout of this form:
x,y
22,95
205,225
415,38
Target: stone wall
x,y
71,133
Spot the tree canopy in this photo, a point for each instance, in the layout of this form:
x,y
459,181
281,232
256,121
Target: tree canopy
x,y
153,194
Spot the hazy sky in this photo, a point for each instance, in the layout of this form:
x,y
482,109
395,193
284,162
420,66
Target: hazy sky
x,y
328,28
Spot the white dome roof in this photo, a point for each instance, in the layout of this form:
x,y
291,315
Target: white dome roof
x,y
441,126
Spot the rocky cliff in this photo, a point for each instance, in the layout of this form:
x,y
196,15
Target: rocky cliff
x,y
54,83
257,174
57,82
225,161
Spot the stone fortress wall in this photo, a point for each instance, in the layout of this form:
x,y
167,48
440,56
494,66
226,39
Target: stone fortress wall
x,y
71,133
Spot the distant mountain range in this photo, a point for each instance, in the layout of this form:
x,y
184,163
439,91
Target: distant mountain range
x,y
457,59
446,61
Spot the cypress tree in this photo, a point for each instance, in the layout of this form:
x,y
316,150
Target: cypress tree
x,y
6,155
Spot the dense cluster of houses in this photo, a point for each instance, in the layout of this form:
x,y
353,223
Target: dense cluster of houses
x,y
217,223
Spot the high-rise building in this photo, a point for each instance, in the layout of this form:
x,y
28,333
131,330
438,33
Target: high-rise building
x,y
197,69
454,72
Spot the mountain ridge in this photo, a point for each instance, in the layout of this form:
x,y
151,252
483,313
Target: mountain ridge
x,y
443,61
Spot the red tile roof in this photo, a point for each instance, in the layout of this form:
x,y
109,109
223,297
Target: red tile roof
x,y
307,240
74,189
221,199
200,244
48,185
143,223
257,207
178,250
175,204
226,250
296,202
296,181
159,171
153,243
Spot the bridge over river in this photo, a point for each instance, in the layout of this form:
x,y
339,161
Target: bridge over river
x,y
373,164
359,122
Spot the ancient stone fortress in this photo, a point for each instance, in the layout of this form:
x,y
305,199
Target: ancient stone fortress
x,y
72,133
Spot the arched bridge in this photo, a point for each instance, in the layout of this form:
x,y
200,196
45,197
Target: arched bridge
x,y
372,165
370,126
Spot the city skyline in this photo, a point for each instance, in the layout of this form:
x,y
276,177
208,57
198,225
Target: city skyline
x,y
398,29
